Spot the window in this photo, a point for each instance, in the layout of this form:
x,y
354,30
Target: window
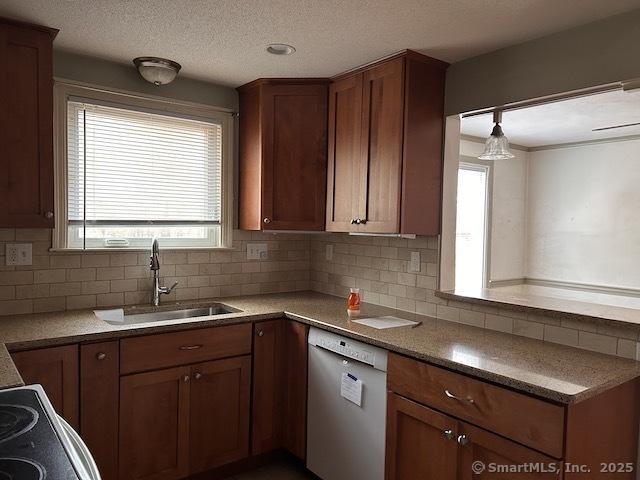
x,y
137,170
471,226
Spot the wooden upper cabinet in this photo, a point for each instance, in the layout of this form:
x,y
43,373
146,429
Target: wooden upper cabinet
x,y
345,166
26,125
283,154
56,369
381,168
385,147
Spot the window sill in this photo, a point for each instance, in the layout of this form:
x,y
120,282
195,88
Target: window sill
x,y
135,249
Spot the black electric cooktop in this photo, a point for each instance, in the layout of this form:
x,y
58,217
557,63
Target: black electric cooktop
x,y
30,447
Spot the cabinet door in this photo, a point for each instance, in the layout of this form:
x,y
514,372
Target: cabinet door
x,y
294,430
99,399
481,454
219,412
420,442
56,369
294,170
267,386
382,129
26,128
154,425
345,155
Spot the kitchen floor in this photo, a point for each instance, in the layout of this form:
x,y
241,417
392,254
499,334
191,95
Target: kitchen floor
x,y
280,470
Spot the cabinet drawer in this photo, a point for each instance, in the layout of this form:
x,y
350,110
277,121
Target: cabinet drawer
x,y
532,422
181,348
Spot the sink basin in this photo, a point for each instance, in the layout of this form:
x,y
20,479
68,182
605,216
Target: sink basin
x,y
120,317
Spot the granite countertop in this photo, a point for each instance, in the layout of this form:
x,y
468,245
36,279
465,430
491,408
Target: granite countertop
x,y
555,302
553,372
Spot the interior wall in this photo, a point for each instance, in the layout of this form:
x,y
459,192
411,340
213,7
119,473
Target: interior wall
x,y
583,214
507,254
96,71
598,53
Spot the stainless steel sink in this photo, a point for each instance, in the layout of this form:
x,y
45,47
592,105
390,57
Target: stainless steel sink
x,y
120,317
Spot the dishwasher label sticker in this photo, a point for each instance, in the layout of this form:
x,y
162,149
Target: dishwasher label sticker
x,y
351,388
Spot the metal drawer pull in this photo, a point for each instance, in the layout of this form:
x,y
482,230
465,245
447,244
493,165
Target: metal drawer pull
x,y
198,376
462,439
455,397
101,356
449,435
190,347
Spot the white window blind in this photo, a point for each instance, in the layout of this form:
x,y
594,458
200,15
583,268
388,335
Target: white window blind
x,y
134,174
128,167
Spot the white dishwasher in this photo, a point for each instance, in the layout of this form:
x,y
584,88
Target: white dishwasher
x,y
345,441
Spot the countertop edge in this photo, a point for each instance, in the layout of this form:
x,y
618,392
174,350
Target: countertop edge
x,y
515,307
11,377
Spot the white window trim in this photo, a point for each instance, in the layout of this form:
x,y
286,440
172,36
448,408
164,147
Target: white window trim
x,y
64,89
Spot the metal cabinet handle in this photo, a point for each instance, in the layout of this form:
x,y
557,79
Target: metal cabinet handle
x,y
190,347
266,220
185,379
462,439
260,333
198,376
449,435
363,221
353,221
455,397
48,214
101,356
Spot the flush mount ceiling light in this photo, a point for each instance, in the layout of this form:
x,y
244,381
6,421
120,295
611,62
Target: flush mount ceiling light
x,y
158,71
497,145
280,49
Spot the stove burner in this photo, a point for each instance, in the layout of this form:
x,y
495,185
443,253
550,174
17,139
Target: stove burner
x,y
16,420
20,469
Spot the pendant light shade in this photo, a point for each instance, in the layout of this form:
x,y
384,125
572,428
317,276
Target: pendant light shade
x,y
497,145
158,71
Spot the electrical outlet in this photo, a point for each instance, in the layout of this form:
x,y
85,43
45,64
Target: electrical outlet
x,y
19,254
328,254
257,251
414,264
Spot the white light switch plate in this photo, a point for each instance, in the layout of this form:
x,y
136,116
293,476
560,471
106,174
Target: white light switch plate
x,y
257,251
329,252
19,254
414,263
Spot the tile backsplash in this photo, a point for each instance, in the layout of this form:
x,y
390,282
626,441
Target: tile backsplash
x,y
379,266
69,280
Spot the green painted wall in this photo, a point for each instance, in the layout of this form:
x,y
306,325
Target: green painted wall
x,y
594,54
104,73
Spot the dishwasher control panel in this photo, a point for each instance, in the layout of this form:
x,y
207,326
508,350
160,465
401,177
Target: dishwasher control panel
x,y
376,357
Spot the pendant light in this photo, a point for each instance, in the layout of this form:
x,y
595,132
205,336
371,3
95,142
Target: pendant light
x,y
497,145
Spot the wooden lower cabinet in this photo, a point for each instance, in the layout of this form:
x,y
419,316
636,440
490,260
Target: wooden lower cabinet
x,y
485,453
184,420
417,443
219,413
279,411
154,425
423,444
56,369
99,393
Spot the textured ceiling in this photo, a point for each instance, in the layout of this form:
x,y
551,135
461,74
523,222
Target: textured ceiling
x,y
566,121
224,41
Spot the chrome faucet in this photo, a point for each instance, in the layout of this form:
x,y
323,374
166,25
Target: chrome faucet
x,y
154,265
